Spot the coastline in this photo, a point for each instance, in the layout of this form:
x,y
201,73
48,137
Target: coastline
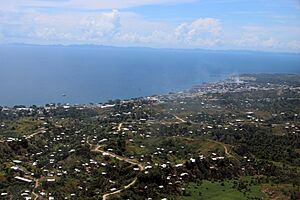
x,y
215,78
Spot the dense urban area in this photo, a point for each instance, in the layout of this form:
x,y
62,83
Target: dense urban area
x,y
233,139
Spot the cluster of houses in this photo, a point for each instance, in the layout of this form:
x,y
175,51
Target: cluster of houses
x,y
63,143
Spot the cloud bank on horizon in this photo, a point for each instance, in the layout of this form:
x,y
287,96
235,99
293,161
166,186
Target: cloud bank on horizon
x,y
219,24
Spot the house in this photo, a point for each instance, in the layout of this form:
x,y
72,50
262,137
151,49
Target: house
x,y
23,179
184,174
14,168
17,161
148,167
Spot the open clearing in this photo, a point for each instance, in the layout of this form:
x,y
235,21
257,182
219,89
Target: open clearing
x,y
209,190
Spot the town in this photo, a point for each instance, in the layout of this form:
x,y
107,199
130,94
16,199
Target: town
x,y
240,135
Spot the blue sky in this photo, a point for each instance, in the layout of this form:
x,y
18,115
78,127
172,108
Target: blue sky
x,y
265,25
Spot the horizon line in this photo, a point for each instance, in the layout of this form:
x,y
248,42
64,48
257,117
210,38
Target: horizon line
x,y
151,48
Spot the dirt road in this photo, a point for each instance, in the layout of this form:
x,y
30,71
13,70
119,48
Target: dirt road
x,y
130,161
180,119
36,133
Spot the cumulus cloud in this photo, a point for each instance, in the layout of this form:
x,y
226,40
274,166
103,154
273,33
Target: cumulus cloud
x,y
156,38
203,31
258,37
112,27
103,25
294,45
130,29
64,27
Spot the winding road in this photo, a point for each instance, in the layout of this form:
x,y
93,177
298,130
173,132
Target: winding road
x,y
105,196
34,134
180,119
120,127
36,185
121,158
130,161
225,148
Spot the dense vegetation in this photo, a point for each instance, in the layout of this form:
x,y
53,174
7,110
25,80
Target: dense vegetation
x,y
229,140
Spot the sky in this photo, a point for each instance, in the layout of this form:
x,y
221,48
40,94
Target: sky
x,y
263,25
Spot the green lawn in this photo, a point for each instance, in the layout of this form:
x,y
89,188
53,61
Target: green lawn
x,y
215,191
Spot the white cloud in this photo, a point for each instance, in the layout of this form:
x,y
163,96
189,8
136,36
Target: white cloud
x,y
103,25
203,32
267,38
253,40
111,28
130,29
294,45
155,39
62,28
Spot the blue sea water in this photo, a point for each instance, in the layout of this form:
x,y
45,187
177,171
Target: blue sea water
x,y
41,74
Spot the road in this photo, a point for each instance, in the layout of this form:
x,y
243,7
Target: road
x,y
36,185
105,196
30,136
130,161
34,134
224,146
120,127
180,119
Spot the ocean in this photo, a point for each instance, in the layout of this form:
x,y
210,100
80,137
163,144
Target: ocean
x,y
36,75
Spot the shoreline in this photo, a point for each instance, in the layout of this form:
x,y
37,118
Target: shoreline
x,y
228,78
223,77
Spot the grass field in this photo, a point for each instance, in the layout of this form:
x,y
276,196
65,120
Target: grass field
x,y
26,125
217,191
23,126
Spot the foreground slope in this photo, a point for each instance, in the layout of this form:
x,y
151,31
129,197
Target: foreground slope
x,y
235,139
